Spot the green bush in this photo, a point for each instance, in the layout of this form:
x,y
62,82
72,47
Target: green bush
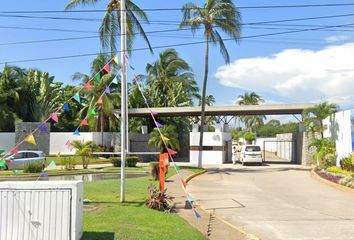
x,y
131,161
339,170
249,137
347,163
68,163
33,167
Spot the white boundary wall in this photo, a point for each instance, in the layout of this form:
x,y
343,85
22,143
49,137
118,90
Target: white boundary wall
x,y
269,146
340,131
7,141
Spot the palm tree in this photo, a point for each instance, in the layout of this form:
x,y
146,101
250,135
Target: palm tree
x,y
214,14
85,150
251,122
171,138
110,26
314,116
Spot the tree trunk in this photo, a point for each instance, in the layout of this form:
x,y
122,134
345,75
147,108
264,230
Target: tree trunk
x,y
205,81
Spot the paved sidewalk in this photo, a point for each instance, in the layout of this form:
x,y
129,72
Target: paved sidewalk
x,y
210,226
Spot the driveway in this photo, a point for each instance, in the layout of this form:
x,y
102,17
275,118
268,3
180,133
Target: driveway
x,y
276,202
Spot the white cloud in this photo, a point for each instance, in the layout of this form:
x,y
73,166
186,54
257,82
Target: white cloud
x,y
337,38
297,74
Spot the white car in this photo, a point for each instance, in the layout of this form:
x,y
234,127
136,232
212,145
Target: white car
x,y
18,160
251,154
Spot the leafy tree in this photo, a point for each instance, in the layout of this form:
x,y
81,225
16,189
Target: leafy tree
x,y
110,26
85,150
221,14
314,116
325,154
171,138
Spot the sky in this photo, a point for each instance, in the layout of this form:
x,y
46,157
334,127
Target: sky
x,y
307,66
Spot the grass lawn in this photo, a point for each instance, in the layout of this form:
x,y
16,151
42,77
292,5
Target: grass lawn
x,y
76,159
106,218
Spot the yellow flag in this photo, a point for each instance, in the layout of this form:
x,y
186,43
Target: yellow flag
x,y
165,138
30,139
115,59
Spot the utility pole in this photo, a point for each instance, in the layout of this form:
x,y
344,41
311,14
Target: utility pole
x,y
123,115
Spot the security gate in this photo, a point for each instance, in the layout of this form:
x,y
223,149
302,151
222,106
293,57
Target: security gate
x,y
285,151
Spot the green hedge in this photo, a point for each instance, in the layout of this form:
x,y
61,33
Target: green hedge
x,y
33,167
131,161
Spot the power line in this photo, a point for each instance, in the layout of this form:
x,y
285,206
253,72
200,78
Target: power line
x,y
179,9
47,29
172,45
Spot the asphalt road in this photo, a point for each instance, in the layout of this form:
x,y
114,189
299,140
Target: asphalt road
x,y
276,202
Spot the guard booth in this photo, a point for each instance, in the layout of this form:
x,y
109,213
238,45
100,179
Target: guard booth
x,y
217,145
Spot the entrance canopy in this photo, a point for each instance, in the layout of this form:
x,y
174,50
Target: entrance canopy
x,y
264,109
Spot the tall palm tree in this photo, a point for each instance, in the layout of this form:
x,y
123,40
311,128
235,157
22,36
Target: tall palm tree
x,y
251,122
110,26
213,15
172,139
314,116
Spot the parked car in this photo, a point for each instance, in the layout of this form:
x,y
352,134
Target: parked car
x,y
18,160
251,154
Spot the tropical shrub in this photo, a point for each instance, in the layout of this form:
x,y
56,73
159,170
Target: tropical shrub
x,y
131,161
33,167
68,163
159,200
85,150
347,163
325,152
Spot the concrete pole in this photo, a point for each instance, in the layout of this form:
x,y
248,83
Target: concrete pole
x,y
123,126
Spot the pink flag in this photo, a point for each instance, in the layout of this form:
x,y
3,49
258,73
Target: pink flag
x,y
87,86
171,151
84,122
107,68
68,143
54,117
184,183
14,150
153,112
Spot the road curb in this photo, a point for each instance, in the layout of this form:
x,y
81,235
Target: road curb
x,y
332,184
190,177
249,236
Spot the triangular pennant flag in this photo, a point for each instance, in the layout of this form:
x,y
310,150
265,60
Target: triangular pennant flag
x,y
93,112
166,139
115,80
126,57
52,164
84,122
14,150
54,117
196,214
30,139
87,86
99,101
43,174
76,132
77,97
98,76
43,127
107,91
107,68
68,143
66,107
153,112
189,198
14,171
184,183
176,168
115,59
171,151
159,125
131,67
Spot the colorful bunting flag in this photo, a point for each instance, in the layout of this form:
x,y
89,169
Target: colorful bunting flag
x,y
115,59
68,143
66,107
93,112
107,91
153,112
76,132
98,76
171,151
107,68
2,164
99,101
77,97
87,86
159,125
115,80
14,171
54,117
43,174
184,183
166,139
196,214
30,139
42,127
84,122
189,198
176,168
14,150
126,57
52,164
